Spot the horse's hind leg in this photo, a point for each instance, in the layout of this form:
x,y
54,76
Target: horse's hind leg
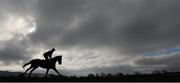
x,y
32,71
27,70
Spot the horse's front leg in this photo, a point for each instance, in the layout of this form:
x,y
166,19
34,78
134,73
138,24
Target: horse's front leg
x,y
56,71
47,72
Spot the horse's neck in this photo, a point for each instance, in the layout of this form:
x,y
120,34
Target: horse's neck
x,y
54,59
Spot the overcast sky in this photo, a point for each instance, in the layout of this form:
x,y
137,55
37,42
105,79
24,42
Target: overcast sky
x,y
92,35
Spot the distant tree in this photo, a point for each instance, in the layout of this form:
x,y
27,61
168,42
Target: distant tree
x,y
164,71
97,75
137,73
110,75
156,72
91,75
119,74
102,75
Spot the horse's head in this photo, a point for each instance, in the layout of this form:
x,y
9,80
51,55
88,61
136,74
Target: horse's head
x,y
59,59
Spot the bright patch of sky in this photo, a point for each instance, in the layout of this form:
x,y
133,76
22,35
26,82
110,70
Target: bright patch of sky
x,y
17,26
166,51
33,28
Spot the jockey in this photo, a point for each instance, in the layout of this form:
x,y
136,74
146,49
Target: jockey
x,y
48,55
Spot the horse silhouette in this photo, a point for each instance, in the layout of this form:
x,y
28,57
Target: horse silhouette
x,y
46,64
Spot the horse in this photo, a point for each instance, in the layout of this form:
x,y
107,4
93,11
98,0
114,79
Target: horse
x,y
46,64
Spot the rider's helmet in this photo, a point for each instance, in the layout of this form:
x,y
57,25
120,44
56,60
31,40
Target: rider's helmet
x,y
53,49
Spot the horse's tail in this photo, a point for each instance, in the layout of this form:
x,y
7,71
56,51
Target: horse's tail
x,y
27,64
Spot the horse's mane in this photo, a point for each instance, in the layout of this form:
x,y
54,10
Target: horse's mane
x,y
57,56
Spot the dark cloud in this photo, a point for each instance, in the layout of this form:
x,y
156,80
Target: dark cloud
x,y
167,62
129,27
13,52
17,7
123,28
132,27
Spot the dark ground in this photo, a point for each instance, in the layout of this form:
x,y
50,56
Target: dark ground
x,y
158,76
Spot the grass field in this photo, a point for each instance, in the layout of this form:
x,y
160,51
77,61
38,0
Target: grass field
x,y
119,77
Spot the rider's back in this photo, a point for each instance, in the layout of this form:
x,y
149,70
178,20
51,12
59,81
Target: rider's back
x,y
49,53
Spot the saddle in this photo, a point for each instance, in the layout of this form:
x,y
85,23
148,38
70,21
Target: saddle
x,y
46,61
